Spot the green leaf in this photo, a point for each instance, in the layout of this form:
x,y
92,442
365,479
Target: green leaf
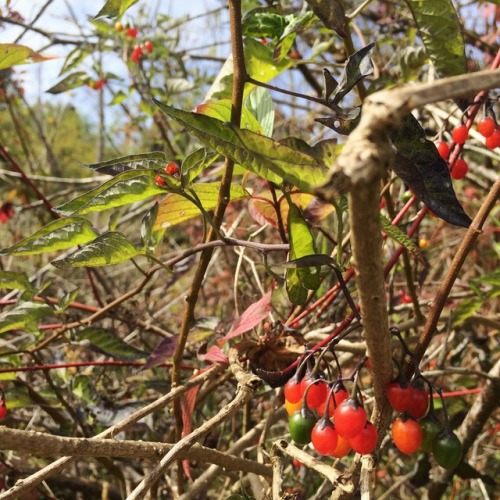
x,y
441,32
110,344
420,166
57,235
295,25
260,104
125,188
175,208
144,161
263,22
301,279
12,54
72,81
115,8
465,309
108,249
357,67
11,280
222,111
331,14
73,59
401,237
24,316
194,164
271,160
118,98
259,65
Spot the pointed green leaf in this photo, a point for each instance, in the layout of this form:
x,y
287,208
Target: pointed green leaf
x,y
127,187
11,280
401,237
260,104
110,344
24,316
57,235
110,248
118,98
264,22
420,166
296,24
72,81
12,54
115,8
441,32
222,111
142,161
269,159
194,164
300,280
357,67
73,59
174,208
147,225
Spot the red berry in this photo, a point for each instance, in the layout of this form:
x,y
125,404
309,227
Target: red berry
x,y
296,463
160,181
399,395
460,169
486,126
99,84
317,393
366,440
443,150
293,394
493,141
132,32
3,410
349,418
419,403
339,394
324,437
407,434
136,54
460,134
148,46
342,449
172,168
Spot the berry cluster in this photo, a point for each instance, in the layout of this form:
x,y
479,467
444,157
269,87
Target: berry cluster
x,y
139,49
486,126
322,412
170,169
418,428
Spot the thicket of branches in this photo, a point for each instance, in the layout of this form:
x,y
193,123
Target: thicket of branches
x,y
215,226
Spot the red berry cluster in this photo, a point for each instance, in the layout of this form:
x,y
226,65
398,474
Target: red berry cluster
x,y
418,428
170,169
138,51
322,413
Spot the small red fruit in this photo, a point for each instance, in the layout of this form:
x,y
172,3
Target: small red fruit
x,y
460,169
172,169
407,434
160,181
136,54
419,403
324,437
317,393
148,46
342,449
293,394
349,418
399,395
443,150
3,410
6,212
493,141
132,32
99,84
460,134
366,440
486,126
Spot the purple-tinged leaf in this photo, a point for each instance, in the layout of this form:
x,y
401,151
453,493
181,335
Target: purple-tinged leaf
x,y
216,355
162,353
